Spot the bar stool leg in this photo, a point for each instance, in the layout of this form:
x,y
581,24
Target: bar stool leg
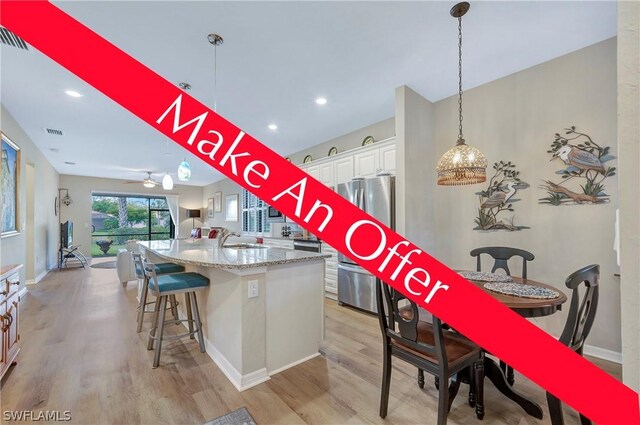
x,y
187,300
160,330
143,303
174,308
194,301
154,324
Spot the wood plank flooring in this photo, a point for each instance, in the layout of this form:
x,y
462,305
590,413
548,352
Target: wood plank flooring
x,y
80,353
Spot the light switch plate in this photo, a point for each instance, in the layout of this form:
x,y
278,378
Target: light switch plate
x,y
253,289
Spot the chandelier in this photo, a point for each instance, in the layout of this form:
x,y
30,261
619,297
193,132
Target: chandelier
x,y
463,164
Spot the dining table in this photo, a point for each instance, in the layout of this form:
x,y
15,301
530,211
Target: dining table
x,y
525,307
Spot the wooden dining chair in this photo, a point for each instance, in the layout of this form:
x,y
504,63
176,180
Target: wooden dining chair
x,y
501,256
582,313
443,353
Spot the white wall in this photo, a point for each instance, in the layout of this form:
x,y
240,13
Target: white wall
x,y
629,150
81,188
13,249
514,119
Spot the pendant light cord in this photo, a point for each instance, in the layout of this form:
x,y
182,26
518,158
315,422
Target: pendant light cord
x,y
215,77
460,138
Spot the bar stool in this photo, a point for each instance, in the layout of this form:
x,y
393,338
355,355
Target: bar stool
x,y
161,269
164,287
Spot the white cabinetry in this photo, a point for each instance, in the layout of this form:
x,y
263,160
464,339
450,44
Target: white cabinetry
x,y
330,272
313,171
388,158
343,169
366,164
327,174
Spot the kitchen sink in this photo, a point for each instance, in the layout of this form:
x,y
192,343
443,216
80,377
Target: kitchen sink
x,y
245,246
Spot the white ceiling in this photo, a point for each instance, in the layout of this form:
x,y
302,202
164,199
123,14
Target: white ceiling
x,y
276,59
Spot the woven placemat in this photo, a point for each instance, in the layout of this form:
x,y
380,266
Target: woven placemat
x,y
521,290
485,276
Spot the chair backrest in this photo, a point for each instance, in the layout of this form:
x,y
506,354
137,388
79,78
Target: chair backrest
x,y
196,233
212,233
150,272
138,264
582,311
405,329
501,254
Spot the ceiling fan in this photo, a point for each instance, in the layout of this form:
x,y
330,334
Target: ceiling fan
x,y
149,182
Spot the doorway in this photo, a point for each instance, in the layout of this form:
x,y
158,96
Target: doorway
x,y
30,227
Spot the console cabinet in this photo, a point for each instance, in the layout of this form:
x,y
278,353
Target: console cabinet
x,y
9,316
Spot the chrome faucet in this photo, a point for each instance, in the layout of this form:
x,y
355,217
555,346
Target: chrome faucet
x,y
224,235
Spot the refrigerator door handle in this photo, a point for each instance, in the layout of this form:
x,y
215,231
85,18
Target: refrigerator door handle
x,y
361,200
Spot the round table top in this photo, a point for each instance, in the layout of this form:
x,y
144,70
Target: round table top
x,y
528,307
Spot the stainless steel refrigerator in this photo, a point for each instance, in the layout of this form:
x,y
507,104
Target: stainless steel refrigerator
x,y
375,196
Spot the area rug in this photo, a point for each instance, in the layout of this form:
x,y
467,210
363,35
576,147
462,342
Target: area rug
x,y
104,265
237,417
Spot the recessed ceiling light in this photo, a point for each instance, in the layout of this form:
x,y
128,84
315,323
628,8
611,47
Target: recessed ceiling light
x,y
70,163
55,150
273,127
73,93
321,101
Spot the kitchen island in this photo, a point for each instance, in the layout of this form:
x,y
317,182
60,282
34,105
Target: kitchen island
x,y
263,311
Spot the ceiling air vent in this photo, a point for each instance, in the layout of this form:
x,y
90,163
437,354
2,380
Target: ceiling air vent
x,y
53,131
10,39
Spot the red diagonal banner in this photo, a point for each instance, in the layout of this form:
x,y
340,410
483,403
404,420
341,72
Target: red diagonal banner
x,y
383,252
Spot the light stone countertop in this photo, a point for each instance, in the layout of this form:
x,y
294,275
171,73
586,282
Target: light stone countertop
x,y
205,252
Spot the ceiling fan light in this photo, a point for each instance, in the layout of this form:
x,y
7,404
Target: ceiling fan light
x,y
167,182
184,171
149,184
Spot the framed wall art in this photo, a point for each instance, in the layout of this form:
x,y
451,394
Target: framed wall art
x,y
10,181
217,202
210,208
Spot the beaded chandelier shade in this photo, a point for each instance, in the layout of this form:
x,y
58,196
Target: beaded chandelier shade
x,y
462,164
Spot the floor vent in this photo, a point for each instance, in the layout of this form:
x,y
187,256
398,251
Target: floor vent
x,y
53,131
10,39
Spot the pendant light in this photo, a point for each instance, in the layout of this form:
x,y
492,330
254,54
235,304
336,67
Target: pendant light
x,y
167,180
462,164
184,169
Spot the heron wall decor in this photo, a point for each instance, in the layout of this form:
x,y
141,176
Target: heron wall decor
x,y
584,172
498,199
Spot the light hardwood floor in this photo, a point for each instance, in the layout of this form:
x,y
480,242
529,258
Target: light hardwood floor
x,y
80,353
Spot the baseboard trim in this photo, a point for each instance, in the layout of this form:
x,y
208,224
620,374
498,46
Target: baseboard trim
x,y
296,363
240,381
38,278
603,353
24,291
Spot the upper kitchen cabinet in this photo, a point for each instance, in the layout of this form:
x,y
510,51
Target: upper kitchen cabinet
x,y
388,158
327,173
366,161
367,164
343,169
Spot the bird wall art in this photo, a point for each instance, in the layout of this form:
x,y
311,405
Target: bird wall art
x,y
584,170
497,200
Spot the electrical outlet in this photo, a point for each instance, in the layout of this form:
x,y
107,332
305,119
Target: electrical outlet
x,y
253,289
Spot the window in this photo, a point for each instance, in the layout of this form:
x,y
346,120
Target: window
x,y
115,219
254,214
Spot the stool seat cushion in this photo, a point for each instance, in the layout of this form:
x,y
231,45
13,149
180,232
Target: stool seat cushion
x,y
163,268
179,282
